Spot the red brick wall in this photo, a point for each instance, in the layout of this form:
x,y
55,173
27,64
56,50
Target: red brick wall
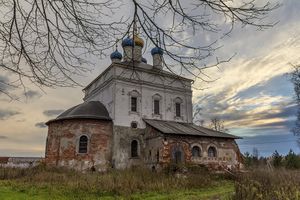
x,y
62,143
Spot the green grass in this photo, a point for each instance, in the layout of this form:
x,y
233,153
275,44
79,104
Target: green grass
x,y
14,190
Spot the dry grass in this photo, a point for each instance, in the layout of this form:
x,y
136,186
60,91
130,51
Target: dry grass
x,y
116,182
260,184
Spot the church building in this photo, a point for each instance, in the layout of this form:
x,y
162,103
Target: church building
x,y
136,114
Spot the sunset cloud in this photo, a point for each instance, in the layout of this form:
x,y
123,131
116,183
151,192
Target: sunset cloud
x,y
6,113
52,113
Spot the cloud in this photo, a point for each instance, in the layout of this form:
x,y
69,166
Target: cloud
x,y
32,94
5,114
51,113
4,83
257,108
3,137
41,125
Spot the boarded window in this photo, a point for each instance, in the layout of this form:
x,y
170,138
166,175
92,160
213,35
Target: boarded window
x,y
156,107
133,104
212,152
177,108
196,151
134,149
83,144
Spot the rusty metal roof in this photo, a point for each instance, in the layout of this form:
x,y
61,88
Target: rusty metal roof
x,y
179,128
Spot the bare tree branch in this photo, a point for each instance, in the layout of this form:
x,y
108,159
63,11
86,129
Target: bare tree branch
x,y
50,42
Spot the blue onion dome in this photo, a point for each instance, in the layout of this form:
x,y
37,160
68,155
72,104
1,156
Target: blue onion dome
x,y
116,55
144,60
127,42
157,50
138,41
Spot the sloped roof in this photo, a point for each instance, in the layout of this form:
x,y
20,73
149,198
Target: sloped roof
x,y
179,128
86,110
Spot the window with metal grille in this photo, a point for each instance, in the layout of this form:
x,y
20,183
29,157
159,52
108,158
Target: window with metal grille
x,y
83,144
134,149
177,108
156,107
133,104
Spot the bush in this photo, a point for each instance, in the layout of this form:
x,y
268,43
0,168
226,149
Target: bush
x,y
268,185
292,161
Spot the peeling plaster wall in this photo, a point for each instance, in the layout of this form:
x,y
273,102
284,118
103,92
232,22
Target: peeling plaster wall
x,y
62,144
227,151
110,146
228,154
123,136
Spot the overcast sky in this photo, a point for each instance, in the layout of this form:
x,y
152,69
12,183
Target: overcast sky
x,y
252,93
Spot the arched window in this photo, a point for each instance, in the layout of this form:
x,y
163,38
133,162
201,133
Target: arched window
x,y
83,144
134,98
178,102
212,152
134,104
134,149
196,152
156,104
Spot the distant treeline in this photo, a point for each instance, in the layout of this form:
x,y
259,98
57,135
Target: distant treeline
x,y
289,161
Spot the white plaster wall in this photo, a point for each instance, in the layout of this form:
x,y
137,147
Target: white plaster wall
x,y
113,90
100,80
106,96
124,116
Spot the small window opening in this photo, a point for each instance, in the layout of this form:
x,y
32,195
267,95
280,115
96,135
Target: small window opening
x,y
153,169
83,144
196,151
177,108
134,149
156,107
212,152
133,125
133,104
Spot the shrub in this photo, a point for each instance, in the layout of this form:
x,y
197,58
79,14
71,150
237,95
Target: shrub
x,y
268,185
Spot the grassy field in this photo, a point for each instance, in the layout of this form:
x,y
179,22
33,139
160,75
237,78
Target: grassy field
x,y
45,183
14,191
